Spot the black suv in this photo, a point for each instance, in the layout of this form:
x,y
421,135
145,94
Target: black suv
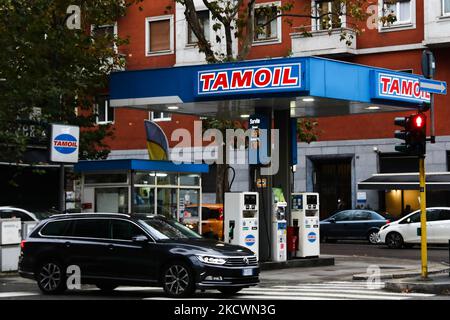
x,y
139,250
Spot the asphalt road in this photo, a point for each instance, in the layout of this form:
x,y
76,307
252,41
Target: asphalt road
x,y
359,248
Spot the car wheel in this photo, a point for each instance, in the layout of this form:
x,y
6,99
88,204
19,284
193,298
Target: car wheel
x,y
373,237
229,291
178,280
106,287
394,240
51,278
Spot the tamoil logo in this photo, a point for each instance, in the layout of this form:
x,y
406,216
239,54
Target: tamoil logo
x,y
65,143
250,240
312,237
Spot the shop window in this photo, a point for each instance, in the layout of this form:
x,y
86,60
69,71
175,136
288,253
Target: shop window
x,y
105,114
267,24
144,200
203,17
446,7
159,35
113,200
397,163
402,9
146,178
167,178
160,116
189,180
328,15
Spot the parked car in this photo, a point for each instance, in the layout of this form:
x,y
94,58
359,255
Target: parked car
x,y
212,219
118,249
8,212
352,224
404,232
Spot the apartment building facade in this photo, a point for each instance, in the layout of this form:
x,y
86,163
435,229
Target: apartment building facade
x,y
350,148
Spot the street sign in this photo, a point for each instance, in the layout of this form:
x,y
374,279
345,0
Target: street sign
x,y
433,86
64,145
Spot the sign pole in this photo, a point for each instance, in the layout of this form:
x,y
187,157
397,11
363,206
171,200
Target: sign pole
x,y
423,218
62,191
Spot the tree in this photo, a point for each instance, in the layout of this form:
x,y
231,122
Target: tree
x,y
51,65
235,20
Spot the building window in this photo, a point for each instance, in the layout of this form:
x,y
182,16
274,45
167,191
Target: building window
x,y
105,114
203,17
267,27
160,116
108,31
446,7
328,15
159,35
402,9
448,161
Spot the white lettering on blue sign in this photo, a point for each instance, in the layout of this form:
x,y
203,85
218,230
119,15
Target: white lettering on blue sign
x,y
282,77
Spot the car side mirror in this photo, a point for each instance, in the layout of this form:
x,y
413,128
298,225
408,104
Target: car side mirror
x,y
140,239
332,220
408,220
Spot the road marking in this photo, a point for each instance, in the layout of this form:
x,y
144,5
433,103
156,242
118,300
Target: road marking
x,y
17,294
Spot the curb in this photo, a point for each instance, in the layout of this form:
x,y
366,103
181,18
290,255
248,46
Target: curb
x,y
400,275
419,286
297,263
9,274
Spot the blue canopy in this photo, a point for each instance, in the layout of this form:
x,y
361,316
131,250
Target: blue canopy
x,y
310,85
138,165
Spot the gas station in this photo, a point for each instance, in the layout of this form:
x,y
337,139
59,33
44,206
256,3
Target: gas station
x,y
268,217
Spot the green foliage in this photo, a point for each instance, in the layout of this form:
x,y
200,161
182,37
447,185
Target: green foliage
x,y
46,65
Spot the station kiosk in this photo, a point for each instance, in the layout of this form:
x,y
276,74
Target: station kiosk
x,y
241,211
305,216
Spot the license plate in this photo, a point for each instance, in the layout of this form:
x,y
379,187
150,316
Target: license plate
x,y
247,272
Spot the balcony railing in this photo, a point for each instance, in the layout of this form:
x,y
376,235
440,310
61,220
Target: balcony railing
x,y
309,42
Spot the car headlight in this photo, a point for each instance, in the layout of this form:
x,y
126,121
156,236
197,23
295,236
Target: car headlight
x,y
212,260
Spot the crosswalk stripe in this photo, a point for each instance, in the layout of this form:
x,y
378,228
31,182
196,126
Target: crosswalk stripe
x,y
336,290
332,295
17,294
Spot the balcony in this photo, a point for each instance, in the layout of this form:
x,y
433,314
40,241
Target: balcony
x,y
323,42
437,24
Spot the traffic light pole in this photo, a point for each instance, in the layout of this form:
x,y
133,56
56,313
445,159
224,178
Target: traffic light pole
x,y
423,218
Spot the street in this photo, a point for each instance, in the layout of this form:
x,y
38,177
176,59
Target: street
x,y
436,254
315,283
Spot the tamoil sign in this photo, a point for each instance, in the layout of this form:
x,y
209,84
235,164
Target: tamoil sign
x,y
64,143
398,86
250,79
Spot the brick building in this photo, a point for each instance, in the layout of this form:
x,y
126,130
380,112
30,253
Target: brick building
x,y
350,148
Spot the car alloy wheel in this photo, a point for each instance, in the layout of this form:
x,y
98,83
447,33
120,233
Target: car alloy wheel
x,y
51,278
373,237
394,240
177,280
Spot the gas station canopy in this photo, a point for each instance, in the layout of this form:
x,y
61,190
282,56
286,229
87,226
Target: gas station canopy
x,y
308,86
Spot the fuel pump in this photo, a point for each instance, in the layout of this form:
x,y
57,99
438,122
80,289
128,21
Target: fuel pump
x,y
241,219
279,250
305,216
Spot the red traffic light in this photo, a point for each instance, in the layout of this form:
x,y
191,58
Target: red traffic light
x,y
419,121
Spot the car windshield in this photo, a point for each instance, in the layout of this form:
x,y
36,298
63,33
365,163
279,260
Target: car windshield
x,y
165,229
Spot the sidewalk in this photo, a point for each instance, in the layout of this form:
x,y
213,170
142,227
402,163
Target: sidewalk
x,y
437,284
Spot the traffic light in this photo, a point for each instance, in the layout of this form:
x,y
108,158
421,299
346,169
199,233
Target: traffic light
x,y
414,134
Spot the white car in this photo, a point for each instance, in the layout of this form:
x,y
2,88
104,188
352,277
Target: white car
x,y
29,220
404,232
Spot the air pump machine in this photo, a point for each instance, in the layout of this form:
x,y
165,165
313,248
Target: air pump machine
x,y
241,211
305,216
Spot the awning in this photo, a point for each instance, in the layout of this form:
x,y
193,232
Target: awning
x,y
406,181
139,165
